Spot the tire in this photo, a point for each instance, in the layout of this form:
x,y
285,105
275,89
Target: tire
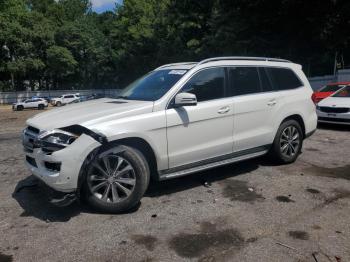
x,y
120,188
41,107
20,108
58,103
288,143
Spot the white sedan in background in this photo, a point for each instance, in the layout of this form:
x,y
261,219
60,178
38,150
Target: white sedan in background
x,y
335,109
38,103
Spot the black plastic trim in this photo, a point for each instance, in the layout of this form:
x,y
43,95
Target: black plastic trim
x,y
215,159
310,133
78,130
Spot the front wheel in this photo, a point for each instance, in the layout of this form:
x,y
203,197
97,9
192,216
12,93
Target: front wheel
x,y
287,143
116,179
41,107
58,103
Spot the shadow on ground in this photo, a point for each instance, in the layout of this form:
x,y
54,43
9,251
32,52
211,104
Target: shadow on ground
x,y
335,127
33,196
176,185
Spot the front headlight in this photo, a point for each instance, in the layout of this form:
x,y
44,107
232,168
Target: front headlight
x,y
55,140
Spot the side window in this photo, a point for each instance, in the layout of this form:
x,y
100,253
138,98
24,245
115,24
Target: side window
x,y
244,80
208,84
283,78
70,96
266,84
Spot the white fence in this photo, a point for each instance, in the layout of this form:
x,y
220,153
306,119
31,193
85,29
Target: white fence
x,y
12,97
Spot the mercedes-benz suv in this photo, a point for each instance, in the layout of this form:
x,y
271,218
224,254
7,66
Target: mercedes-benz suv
x,y
176,120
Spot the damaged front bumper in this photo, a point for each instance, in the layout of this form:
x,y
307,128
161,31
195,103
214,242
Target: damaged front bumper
x,y
60,169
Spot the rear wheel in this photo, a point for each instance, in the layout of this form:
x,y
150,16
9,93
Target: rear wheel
x,y
287,143
41,107
58,103
116,179
20,108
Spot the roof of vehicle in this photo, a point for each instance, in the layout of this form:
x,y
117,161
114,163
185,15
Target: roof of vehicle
x,y
257,60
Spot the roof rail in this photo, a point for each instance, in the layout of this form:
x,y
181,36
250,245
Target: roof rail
x,y
174,64
243,58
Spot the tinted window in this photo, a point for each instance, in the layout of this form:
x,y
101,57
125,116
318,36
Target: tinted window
x,y
345,92
283,78
265,81
207,84
244,80
69,96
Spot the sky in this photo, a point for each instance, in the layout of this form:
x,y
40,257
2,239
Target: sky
x,y
100,6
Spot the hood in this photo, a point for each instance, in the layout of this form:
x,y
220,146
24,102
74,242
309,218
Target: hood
x,y
89,113
335,102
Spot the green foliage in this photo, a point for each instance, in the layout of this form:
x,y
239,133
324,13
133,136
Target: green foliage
x,y
63,44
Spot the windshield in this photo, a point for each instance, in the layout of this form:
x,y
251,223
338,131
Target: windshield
x,y
344,92
331,88
152,86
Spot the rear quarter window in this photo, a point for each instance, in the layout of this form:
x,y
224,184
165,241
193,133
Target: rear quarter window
x,y
283,78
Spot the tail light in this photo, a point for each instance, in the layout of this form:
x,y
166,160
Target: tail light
x,y
313,98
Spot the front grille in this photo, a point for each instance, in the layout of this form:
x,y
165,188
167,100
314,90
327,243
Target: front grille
x,y
31,161
336,110
333,119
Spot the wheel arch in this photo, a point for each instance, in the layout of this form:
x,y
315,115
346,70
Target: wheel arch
x,y
136,142
299,119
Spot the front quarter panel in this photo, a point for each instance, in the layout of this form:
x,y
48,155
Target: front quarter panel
x,y
150,127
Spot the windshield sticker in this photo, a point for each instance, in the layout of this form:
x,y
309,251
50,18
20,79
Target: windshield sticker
x,y
177,72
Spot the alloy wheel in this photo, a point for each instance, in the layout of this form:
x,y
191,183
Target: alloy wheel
x,y
111,178
290,141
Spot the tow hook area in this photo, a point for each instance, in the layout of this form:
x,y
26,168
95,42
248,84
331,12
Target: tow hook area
x,y
65,199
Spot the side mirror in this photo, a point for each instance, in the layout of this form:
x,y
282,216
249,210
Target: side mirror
x,y
185,99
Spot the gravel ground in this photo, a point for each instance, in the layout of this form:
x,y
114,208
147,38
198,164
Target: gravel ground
x,y
251,211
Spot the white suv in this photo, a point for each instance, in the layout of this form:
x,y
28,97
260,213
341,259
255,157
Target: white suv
x,y
38,103
176,120
64,99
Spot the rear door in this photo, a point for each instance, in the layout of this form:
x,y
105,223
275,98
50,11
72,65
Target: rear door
x,y
201,132
255,104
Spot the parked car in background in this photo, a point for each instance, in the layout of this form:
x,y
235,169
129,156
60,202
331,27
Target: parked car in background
x,y
335,109
47,98
38,103
176,120
327,90
64,99
95,96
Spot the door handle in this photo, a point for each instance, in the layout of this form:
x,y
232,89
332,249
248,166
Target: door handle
x,y
223,110
272,102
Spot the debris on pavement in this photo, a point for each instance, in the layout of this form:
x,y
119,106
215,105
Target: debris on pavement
x,y
207,184
284,245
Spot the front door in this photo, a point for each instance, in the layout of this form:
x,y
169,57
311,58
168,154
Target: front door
x,y
201,132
